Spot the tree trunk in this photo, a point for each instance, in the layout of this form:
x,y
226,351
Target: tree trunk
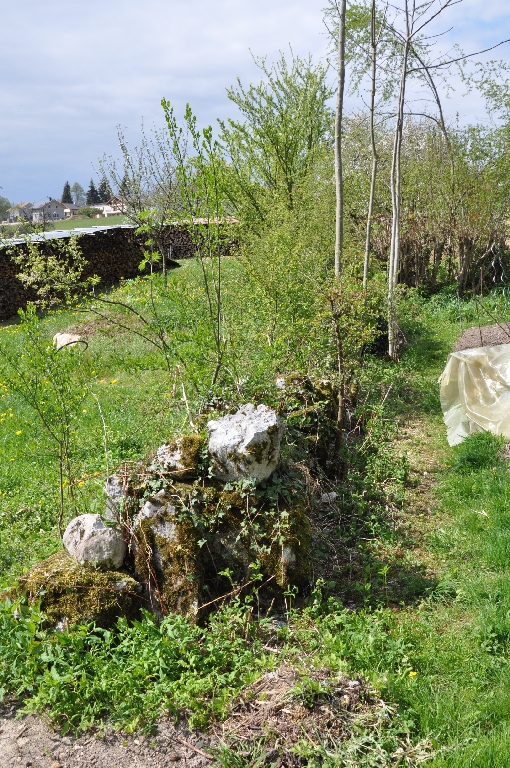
x,y
375,157
393,265
339,223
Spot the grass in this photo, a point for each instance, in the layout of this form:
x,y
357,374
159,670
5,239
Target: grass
x,y
420,609
109,221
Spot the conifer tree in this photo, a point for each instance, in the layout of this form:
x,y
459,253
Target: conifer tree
x,y
92,194
104,190
66,194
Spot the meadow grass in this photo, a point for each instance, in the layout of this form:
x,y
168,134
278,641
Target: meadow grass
x,y
108,221
438,655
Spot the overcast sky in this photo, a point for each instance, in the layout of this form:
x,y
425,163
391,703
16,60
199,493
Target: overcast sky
x,y
72,71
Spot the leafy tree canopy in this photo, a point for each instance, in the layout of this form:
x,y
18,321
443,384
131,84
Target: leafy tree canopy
x,y
78,193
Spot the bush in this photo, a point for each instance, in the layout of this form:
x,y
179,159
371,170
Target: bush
x,y
88,211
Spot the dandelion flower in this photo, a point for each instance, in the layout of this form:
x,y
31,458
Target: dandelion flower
x,y
84,410
114,381
18,431
413,674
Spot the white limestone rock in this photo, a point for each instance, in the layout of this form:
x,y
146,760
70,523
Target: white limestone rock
x,y
114,489
66,340
89,540
181,456
160,514
246,444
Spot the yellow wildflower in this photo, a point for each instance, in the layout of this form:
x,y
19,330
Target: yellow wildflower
x,y
18,431
413,674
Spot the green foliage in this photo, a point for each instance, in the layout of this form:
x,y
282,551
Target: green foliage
x,y
130,674
66,194
52,269
271,153
47,380
104,191
4,207
78,193
92,194
89,211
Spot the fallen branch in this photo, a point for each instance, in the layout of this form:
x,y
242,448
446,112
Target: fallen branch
x,y
195,749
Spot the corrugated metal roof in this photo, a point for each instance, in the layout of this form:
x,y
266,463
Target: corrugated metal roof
x,y
59,233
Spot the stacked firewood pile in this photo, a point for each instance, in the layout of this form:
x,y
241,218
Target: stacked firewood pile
x,y
111,254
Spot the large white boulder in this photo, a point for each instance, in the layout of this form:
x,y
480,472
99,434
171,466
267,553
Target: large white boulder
x,y
63,339
246,444
89,540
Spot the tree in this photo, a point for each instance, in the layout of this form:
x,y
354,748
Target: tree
x,y
339,213
286,119
88,210
146,184
66,194
92,194
78,193
104,191
4,207
124,186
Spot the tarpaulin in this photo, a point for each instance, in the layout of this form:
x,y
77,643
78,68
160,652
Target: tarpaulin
x,y
475,392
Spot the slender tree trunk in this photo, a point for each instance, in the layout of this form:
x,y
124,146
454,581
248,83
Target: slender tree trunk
x,y
60,520
393,266
339,220
375,157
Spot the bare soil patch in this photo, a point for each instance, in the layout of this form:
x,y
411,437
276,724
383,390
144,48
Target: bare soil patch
x,y
484,336
31,743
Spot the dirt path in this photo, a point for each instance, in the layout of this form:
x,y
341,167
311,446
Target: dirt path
x,y
29,743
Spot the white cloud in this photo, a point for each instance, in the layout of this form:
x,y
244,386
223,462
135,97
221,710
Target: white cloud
x,y
71,72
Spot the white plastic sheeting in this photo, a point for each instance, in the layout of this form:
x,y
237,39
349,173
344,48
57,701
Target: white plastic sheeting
x,y
475,392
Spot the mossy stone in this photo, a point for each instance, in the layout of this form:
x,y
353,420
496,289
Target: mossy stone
x,y
71,592
169,564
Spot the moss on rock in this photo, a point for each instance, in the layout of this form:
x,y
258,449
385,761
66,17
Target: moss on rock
x,y
166,557
71,592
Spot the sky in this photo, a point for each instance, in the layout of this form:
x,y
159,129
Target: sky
x,y
72,72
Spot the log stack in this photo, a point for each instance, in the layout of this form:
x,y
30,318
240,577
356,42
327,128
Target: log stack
x,y
112,254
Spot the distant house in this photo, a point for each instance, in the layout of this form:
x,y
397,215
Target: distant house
x,y
118,204
111,208
48,210
19,212
70,209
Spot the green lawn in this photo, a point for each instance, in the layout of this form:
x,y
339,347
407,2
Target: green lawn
x,y
109,221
